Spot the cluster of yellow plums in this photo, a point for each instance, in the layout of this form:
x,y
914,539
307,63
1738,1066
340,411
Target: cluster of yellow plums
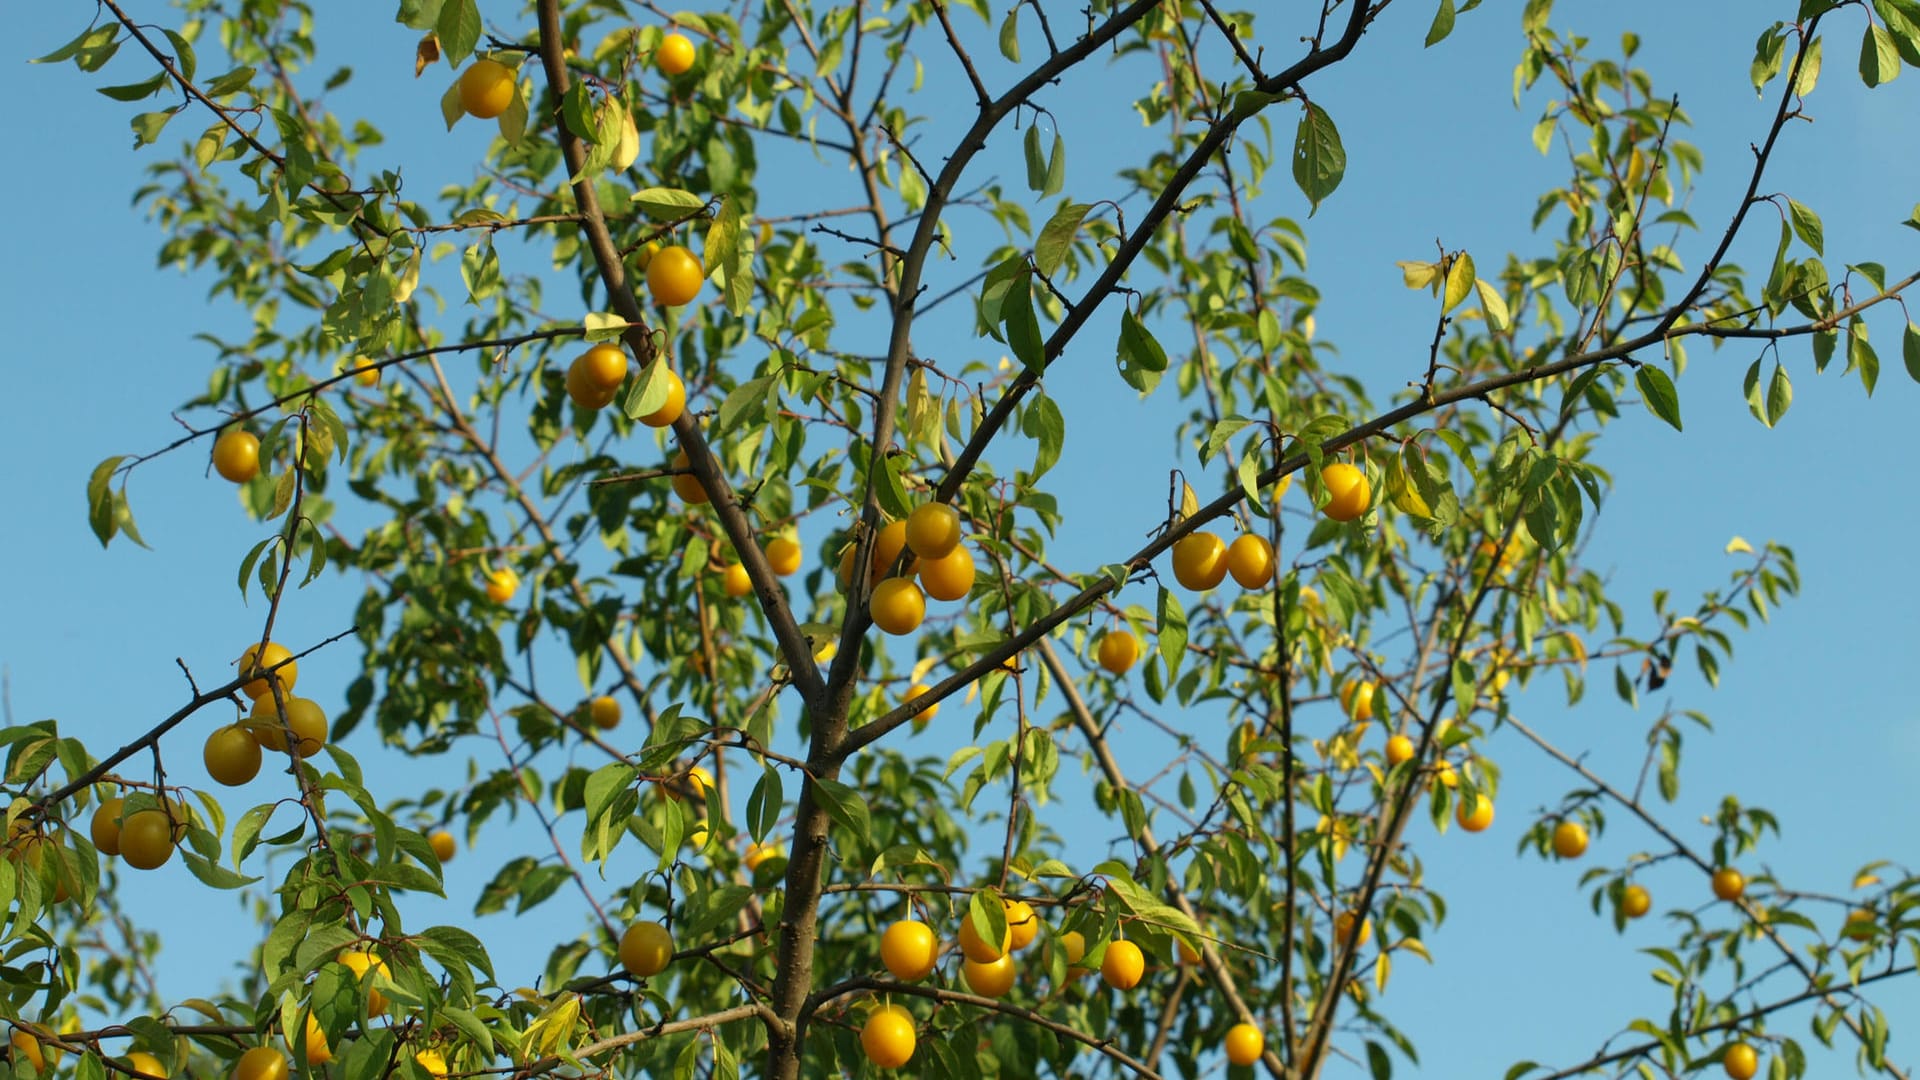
x,y
910,949
930,540
1201,560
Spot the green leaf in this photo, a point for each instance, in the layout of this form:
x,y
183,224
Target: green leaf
x,y
1879,56
1442,24
1903,23
1657,393
1809,75
1023,327
1056,236
1141,359
1172,630
91,38
1044,424
458,29
1910,347
1056,168
146,127
1036,163
1767,54
1010,35
747,404
1779,394
1806,225
100,500
890,490
667,204
1860,355
765,805
845,806
604,785
450,945
135,91
212,874
1319,161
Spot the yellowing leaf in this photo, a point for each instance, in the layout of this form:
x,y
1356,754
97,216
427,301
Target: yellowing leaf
x,y
1493,302
1382,967
1189,502
1459,281
920,669
1414,946
1864,880
1418,275
1739,546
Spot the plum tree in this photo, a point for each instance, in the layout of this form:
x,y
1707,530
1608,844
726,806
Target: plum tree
x,y
880,382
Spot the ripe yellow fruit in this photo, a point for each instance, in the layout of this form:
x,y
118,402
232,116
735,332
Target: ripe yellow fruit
x,y
949,576
1118,651
1123,965
674,276
1481,817
486,89
783,555
697,780
888,548
605,712
1859,925
236,455
1349,493
1635,901
146,1065
318,1052
28,1048
1445,774
1250,561
1075,945
1728,883
305,718
735,581
441,841
363,373
502,584
1199,561
1356,697
898,606
887,1037
231,756
909,950
979,949
760,854
1741,1061
594,377
146,839
921,718
362,964
645,949
675,54
685,484
105,826
990,979
933,530
261,1063
1344,931
268,667
1399,749
1569,839
433,1061
1022,924
1245,1044
670,410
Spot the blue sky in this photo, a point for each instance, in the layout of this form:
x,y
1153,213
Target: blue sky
x,y
1813,720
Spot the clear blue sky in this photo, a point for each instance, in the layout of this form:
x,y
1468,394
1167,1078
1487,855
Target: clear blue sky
x,y
1813,718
